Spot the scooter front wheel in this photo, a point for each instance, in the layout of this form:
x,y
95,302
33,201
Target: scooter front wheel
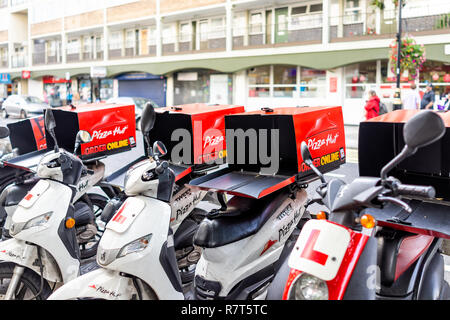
x,y
28,287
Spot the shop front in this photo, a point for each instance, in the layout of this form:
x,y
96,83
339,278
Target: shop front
x,y
55,90
203,86
5,85
288,86
142,85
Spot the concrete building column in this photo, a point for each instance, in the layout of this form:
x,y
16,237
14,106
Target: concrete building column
x,y
325,22
158,29
229,26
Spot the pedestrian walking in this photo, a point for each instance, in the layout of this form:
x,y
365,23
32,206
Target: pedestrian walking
x,y
372,106
411,98
428,98
69,98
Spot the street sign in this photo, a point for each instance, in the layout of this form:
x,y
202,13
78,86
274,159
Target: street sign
x,y
98,72
5,78
26,74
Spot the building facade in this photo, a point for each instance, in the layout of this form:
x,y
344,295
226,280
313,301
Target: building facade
x,y
256,53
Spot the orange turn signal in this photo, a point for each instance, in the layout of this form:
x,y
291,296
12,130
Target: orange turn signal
x,y
321,215
70,223
368,222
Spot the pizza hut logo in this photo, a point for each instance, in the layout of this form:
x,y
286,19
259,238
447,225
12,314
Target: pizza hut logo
x,y
316,144
100,135
104,291
211,141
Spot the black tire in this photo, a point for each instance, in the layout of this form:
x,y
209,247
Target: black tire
x,y
23,114
29,285
98,202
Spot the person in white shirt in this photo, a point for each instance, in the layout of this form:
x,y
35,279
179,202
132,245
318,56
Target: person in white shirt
x,y
411,99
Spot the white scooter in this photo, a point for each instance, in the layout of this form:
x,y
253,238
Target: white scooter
x,y
137,253
44,250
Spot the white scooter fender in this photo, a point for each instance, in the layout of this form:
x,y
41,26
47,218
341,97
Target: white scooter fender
x,y
46,197
136,242
97,284
139,218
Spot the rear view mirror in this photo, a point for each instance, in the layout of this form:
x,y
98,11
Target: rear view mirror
x,y
307,158
159,149
50,125
82,137
4,132
148,118
306,155
50,122
423,129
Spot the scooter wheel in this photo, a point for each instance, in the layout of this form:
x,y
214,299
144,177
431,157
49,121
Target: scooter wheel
x,y
29,284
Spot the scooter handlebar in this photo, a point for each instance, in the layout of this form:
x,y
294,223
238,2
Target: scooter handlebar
x,y
418,191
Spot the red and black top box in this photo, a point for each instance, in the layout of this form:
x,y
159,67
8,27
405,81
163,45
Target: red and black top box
x,y
381,139
204,123
112,127
322,128
28,135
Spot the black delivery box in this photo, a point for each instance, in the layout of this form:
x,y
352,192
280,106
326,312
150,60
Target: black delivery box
x,y
250,149
381,139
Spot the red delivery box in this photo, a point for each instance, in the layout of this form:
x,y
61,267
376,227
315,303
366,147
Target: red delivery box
x,y
112,127
263,149
204,124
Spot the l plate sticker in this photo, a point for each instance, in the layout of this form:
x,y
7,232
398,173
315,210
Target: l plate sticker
x,y
126,214
320,249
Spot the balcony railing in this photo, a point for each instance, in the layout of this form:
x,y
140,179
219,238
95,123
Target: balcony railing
x,y
309,31
19,2
42,57
190,43
362,25
117,52
73,56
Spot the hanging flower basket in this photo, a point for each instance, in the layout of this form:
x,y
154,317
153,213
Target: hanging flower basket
x,y
412,56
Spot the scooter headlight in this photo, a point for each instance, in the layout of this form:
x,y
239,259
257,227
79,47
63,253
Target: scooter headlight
x,y
308,287
135,246
35,222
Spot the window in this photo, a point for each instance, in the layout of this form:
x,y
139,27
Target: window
x,y
299,10
51,48
239,24
259,82
87,44
98,43
312,83
73,46
359,78
115,40
185,32
217,28
151,40
285,75
204,29
130,40
314,8
256,23
306,17
168,34
352,12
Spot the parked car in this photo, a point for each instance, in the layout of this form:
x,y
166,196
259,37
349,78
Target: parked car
x,y
138,102
23,106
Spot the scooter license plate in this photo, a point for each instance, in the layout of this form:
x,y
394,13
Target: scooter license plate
x,y
126,214
320,249
33,195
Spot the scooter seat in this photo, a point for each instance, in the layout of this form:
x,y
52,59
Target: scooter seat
x,y
243,218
